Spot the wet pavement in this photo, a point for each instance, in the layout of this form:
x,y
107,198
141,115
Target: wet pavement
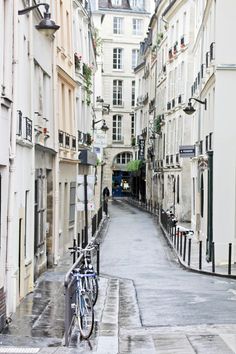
x,y
147,303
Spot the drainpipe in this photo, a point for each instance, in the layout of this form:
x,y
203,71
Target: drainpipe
x,y
10,291
198,142
56,167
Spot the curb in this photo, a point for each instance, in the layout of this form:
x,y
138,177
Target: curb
x,y
189,268
181,262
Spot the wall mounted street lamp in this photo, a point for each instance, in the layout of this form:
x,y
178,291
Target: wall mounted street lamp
x,y
190,109
46,26
99,99
104,127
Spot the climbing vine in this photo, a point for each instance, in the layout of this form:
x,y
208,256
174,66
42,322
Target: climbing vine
x,y
87,73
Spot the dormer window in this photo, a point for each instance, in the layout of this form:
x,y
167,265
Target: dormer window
x,y
136,4
116,2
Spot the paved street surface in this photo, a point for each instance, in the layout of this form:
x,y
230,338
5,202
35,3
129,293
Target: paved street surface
x,y
147,302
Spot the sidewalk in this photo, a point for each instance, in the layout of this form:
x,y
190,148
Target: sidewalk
x,y
37,326
194,264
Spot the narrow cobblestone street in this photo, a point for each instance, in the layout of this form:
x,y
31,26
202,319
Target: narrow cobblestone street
x,y
147,302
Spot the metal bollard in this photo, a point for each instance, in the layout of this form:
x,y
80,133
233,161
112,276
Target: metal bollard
x,y
200,254
82,240
181,244
213,256
74,254
189,251
98,259
178,236
185,246
78,239
230,259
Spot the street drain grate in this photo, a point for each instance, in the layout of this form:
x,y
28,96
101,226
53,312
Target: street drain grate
x,y
15,350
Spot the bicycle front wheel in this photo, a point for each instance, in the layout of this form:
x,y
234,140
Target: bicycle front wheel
x,y
86,318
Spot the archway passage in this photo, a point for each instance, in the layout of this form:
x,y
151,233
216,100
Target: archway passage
x,y
120,176
120,183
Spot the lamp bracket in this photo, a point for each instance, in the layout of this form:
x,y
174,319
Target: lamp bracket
x,y
202,102
28,9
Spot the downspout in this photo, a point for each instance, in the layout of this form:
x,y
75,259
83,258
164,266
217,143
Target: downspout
x,y
10,293
56,167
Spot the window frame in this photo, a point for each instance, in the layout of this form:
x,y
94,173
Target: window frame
x,y
118,25
135,54
116,2
118,55
72,202
117,128
117,92
123,158
137,29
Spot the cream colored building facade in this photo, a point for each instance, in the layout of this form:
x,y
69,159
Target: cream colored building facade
x,y
41,116
122,28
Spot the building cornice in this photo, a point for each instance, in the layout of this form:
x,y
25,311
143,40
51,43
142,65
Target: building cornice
x,y
45,149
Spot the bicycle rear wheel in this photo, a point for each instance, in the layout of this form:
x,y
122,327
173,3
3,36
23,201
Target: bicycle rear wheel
x,y
86,316
94,289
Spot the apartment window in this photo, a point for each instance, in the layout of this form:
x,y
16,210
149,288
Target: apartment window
x,y
116,2
39,211
26,221
117,25
118,58
72,202
123,158
133,94
28,129
116,128
19,123
132,125
135,53
137,26
138,4
117,92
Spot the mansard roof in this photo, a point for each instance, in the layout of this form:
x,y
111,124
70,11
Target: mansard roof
x,y
125,6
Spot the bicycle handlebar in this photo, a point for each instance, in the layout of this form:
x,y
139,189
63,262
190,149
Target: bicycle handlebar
x,y
88,248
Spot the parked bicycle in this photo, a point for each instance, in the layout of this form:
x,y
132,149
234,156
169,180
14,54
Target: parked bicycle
x,y
83,306
90,282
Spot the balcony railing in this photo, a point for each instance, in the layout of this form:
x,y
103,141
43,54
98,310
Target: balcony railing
x,y
212,51
73,142
207,59
28,129
175,48
177,159
67,141
24,127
